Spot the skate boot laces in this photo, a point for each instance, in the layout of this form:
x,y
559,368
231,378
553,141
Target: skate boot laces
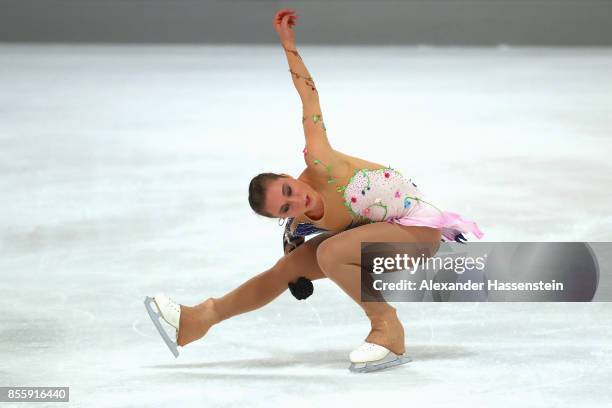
x,y
169,309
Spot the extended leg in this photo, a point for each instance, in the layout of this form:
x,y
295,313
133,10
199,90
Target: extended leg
x,y
251,295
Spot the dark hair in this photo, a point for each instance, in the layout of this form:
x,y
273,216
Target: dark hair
x,y
257,192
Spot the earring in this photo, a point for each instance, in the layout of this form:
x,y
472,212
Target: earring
x,y
281,221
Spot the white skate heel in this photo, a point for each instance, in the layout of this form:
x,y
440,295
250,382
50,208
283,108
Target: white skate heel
x,y
168,310
371,357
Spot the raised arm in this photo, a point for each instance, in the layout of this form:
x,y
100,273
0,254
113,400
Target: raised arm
x,y
320,153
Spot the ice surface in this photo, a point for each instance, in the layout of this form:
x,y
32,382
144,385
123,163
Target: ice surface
x,y
124,172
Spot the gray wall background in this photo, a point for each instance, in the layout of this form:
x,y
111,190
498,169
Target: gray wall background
x,y
435,22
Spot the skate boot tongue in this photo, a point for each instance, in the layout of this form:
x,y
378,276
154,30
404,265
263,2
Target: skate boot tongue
x,y
169,310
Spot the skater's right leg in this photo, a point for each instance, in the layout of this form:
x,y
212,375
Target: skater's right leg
x,y
251,295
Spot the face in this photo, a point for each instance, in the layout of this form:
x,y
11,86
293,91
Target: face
x,y
289,197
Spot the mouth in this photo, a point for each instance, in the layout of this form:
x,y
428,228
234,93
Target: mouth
x,y
307,201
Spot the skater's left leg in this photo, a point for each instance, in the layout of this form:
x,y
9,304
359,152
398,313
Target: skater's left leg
x,y
340,259
253,294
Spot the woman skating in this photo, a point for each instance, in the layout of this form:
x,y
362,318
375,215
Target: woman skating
x,y
350,200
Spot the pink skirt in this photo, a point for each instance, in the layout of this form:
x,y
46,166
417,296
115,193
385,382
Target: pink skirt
x,y
449,223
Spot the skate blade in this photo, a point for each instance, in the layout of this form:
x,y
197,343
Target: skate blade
x,y
390,360
155,317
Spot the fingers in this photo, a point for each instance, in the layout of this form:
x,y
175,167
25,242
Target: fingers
x,y
293,20
281,14
290,17
288,21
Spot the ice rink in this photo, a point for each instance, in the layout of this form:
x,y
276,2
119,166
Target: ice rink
x,y
124,172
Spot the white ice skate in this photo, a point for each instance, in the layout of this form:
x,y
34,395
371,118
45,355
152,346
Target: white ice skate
x,y
371,357
168,310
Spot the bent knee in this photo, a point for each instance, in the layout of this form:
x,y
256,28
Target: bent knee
x,y
325,254
295,265
284,270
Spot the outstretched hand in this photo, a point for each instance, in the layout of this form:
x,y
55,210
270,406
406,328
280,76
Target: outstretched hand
x,y
284,21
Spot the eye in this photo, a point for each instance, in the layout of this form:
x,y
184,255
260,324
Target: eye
x,y
285,208
288,191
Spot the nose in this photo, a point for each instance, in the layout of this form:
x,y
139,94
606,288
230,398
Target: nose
x,y
298,199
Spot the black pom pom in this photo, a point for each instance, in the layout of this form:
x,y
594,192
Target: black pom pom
x,y
301,288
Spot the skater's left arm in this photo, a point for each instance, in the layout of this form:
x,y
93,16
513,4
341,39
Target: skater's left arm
x,y
318,149
284,20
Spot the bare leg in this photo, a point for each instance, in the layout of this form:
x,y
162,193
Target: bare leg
x,y
340,259
251,295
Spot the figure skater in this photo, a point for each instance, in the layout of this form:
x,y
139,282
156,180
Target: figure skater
x,y
347,200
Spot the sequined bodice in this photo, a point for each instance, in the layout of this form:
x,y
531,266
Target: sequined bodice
x,y
380,194
362,195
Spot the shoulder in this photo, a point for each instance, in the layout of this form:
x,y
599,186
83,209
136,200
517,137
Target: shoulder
x,y
359,163
330,163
